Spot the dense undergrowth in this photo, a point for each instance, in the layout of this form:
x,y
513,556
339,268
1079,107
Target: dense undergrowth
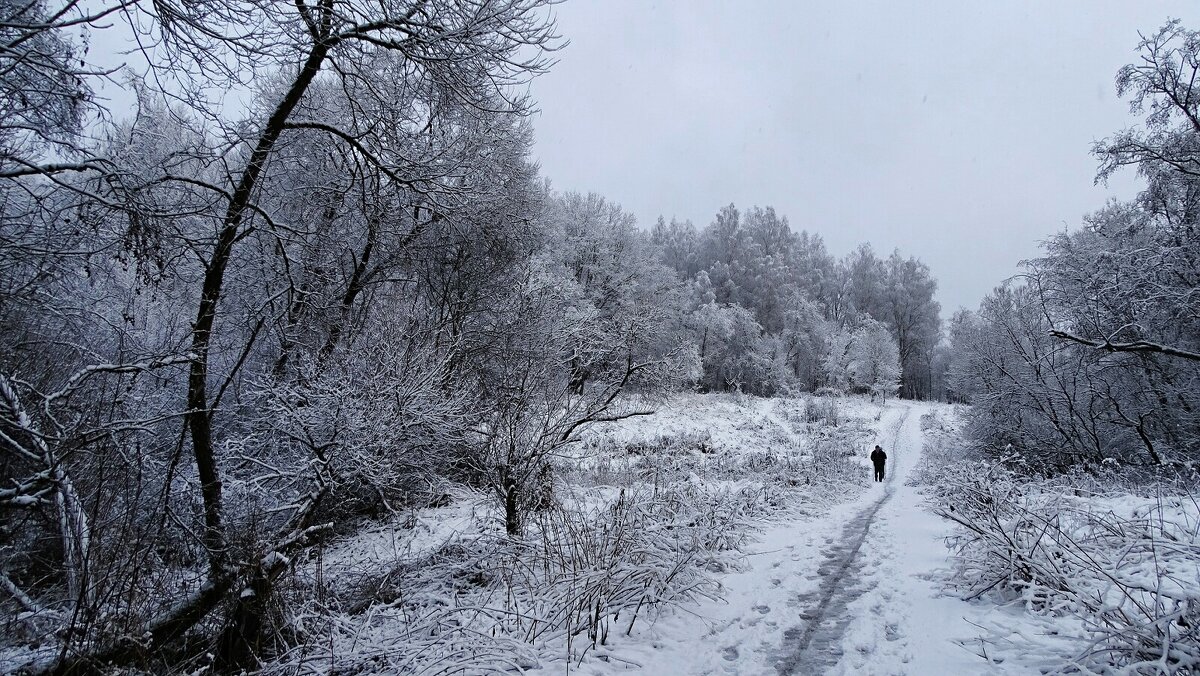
x,y
1104,562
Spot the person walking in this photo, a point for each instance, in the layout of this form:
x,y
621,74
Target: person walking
x,y
879,458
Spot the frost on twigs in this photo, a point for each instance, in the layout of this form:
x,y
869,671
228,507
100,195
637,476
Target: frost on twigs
x,y
1115,573
646,512
579,577
1103,568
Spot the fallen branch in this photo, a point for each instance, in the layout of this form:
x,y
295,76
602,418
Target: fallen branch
x,y
160,631
21,597
74,525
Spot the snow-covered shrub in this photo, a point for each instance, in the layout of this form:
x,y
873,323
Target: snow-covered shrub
x,y
602,563
1124,566
822,409
1121,569
497,603
682,442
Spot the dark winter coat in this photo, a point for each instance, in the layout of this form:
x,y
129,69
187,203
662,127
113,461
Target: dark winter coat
x,y
878,456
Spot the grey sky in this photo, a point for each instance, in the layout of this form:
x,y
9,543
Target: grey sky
x,y
957,131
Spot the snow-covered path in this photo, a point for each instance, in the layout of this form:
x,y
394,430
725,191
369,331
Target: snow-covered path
x,y
901,622
815,645
848,592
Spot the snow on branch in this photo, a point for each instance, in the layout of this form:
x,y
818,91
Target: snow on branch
x,y
74,381
74,525
29,492
20,596
1135,346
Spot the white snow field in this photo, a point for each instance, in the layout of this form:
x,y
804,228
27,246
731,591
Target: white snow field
x,y
856,589
758,545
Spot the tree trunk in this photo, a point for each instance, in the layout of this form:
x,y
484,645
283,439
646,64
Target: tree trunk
x,y
241,642
512,506
358,282
199,418
578,377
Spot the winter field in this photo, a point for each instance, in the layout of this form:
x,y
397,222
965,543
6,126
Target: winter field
x,y
741,535
654,524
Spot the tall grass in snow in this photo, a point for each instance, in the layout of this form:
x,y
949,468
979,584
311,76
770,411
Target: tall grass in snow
x,y
630,529
498,603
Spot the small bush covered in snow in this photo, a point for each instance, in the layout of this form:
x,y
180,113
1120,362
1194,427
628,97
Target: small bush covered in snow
x,y
495,602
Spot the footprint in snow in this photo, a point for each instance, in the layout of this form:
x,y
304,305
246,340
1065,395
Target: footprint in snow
x,y
762,609
892,632
730,653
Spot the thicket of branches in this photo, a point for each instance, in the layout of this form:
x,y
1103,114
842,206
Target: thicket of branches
x,y
1104,571
1093,354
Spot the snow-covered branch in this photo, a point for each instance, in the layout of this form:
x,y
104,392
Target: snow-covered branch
x,y
1142,346
74,525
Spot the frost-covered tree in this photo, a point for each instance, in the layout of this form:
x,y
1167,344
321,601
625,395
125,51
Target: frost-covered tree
x,y
566,362
865,282
874,360
814,273
1096,357
909,310
804,338
835,366
618,270
754,260
680,246
46,85
962,334
735,353
222,267
1033,394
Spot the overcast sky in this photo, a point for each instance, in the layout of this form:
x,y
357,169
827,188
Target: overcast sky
x,y
956,131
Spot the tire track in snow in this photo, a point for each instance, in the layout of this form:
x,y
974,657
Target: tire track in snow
x,y
815,645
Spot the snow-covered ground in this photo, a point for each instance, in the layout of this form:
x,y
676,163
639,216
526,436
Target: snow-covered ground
x,y
743,535
798,563
857,588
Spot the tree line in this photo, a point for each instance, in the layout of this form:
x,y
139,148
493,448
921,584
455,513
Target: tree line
x,y
772,311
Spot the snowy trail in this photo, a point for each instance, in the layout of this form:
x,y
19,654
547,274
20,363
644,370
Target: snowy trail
x,y
815,646
902,623
851,591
